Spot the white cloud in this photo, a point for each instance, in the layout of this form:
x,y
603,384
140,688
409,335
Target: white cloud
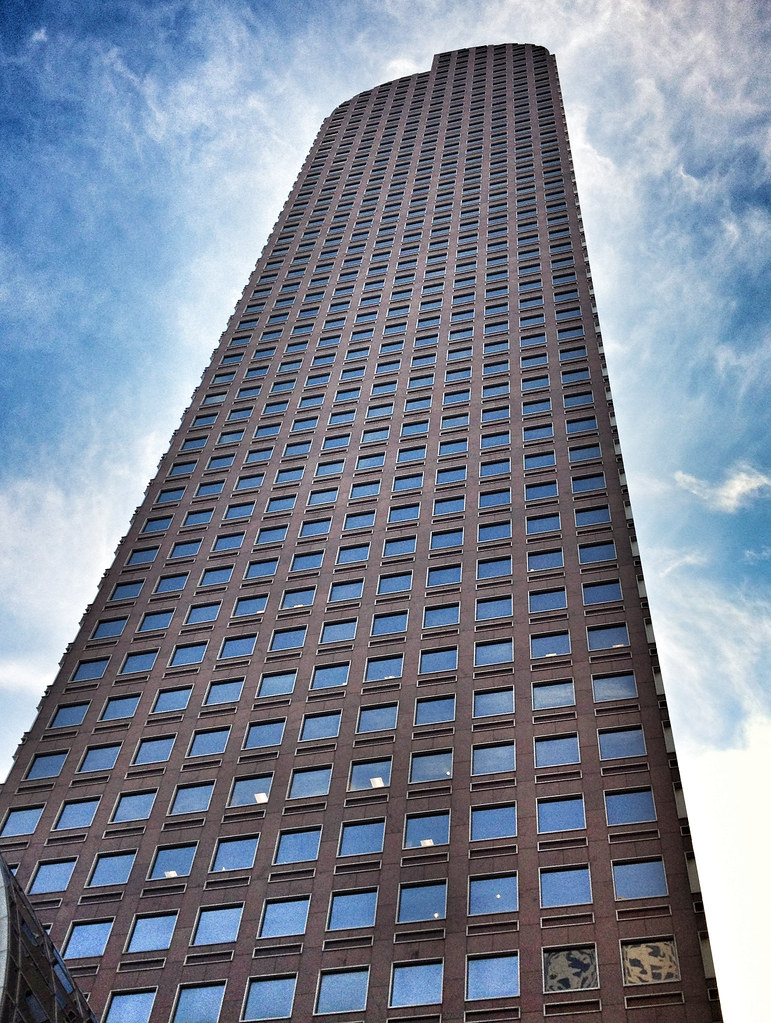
x,y
39,36
761,554
732,832
714,644
743,485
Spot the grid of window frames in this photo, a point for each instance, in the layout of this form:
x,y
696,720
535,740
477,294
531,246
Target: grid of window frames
x,y
405,432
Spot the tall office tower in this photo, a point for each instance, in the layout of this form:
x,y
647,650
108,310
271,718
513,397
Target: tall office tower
x,y
365,721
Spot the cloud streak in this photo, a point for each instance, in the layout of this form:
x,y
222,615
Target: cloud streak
x,y
743,485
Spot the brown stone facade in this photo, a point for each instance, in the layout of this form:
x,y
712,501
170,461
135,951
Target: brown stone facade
x,y
365,721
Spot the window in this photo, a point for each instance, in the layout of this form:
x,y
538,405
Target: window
x,y
547,600
22,821
361,520
152,932
432,710
310,781
556,750
348,555
494,607
154,751
565,886
607,637
199,1004
426,829
416,984
284,916
370,774
134,806
173,861
581,484
492,976
499,821
201,613
570,968
224,692
631,807
377,718
352,909
156,620
449,505
213,576
538,561
600,593
592,516
399,545
381,668
551,644
541,524
217,925
108,627
187,653
396,583
493,568
48,765
457,474
52,877
261,569
562,814
497,894
444,575
492,531
186,549
489,702
646,962
76,814
422,902
267,998
142,557
266,733
342,990
553,694
498,652
298,846
361,838
171,700
88,670
111,868
386,624
209,743
99,758
235,853
130,1007
330,675
584,453
127,591
320,726
493,759
338,632
438,660
192,798
87,939
370,489
621,742
639,879
614,687
288,639
446,538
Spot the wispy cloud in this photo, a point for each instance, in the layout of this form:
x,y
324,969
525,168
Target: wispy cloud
x,y
743,485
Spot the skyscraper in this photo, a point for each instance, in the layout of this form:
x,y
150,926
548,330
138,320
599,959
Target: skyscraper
x,y
366,720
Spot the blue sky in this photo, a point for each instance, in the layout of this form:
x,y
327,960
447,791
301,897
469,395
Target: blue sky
x,y
147,148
